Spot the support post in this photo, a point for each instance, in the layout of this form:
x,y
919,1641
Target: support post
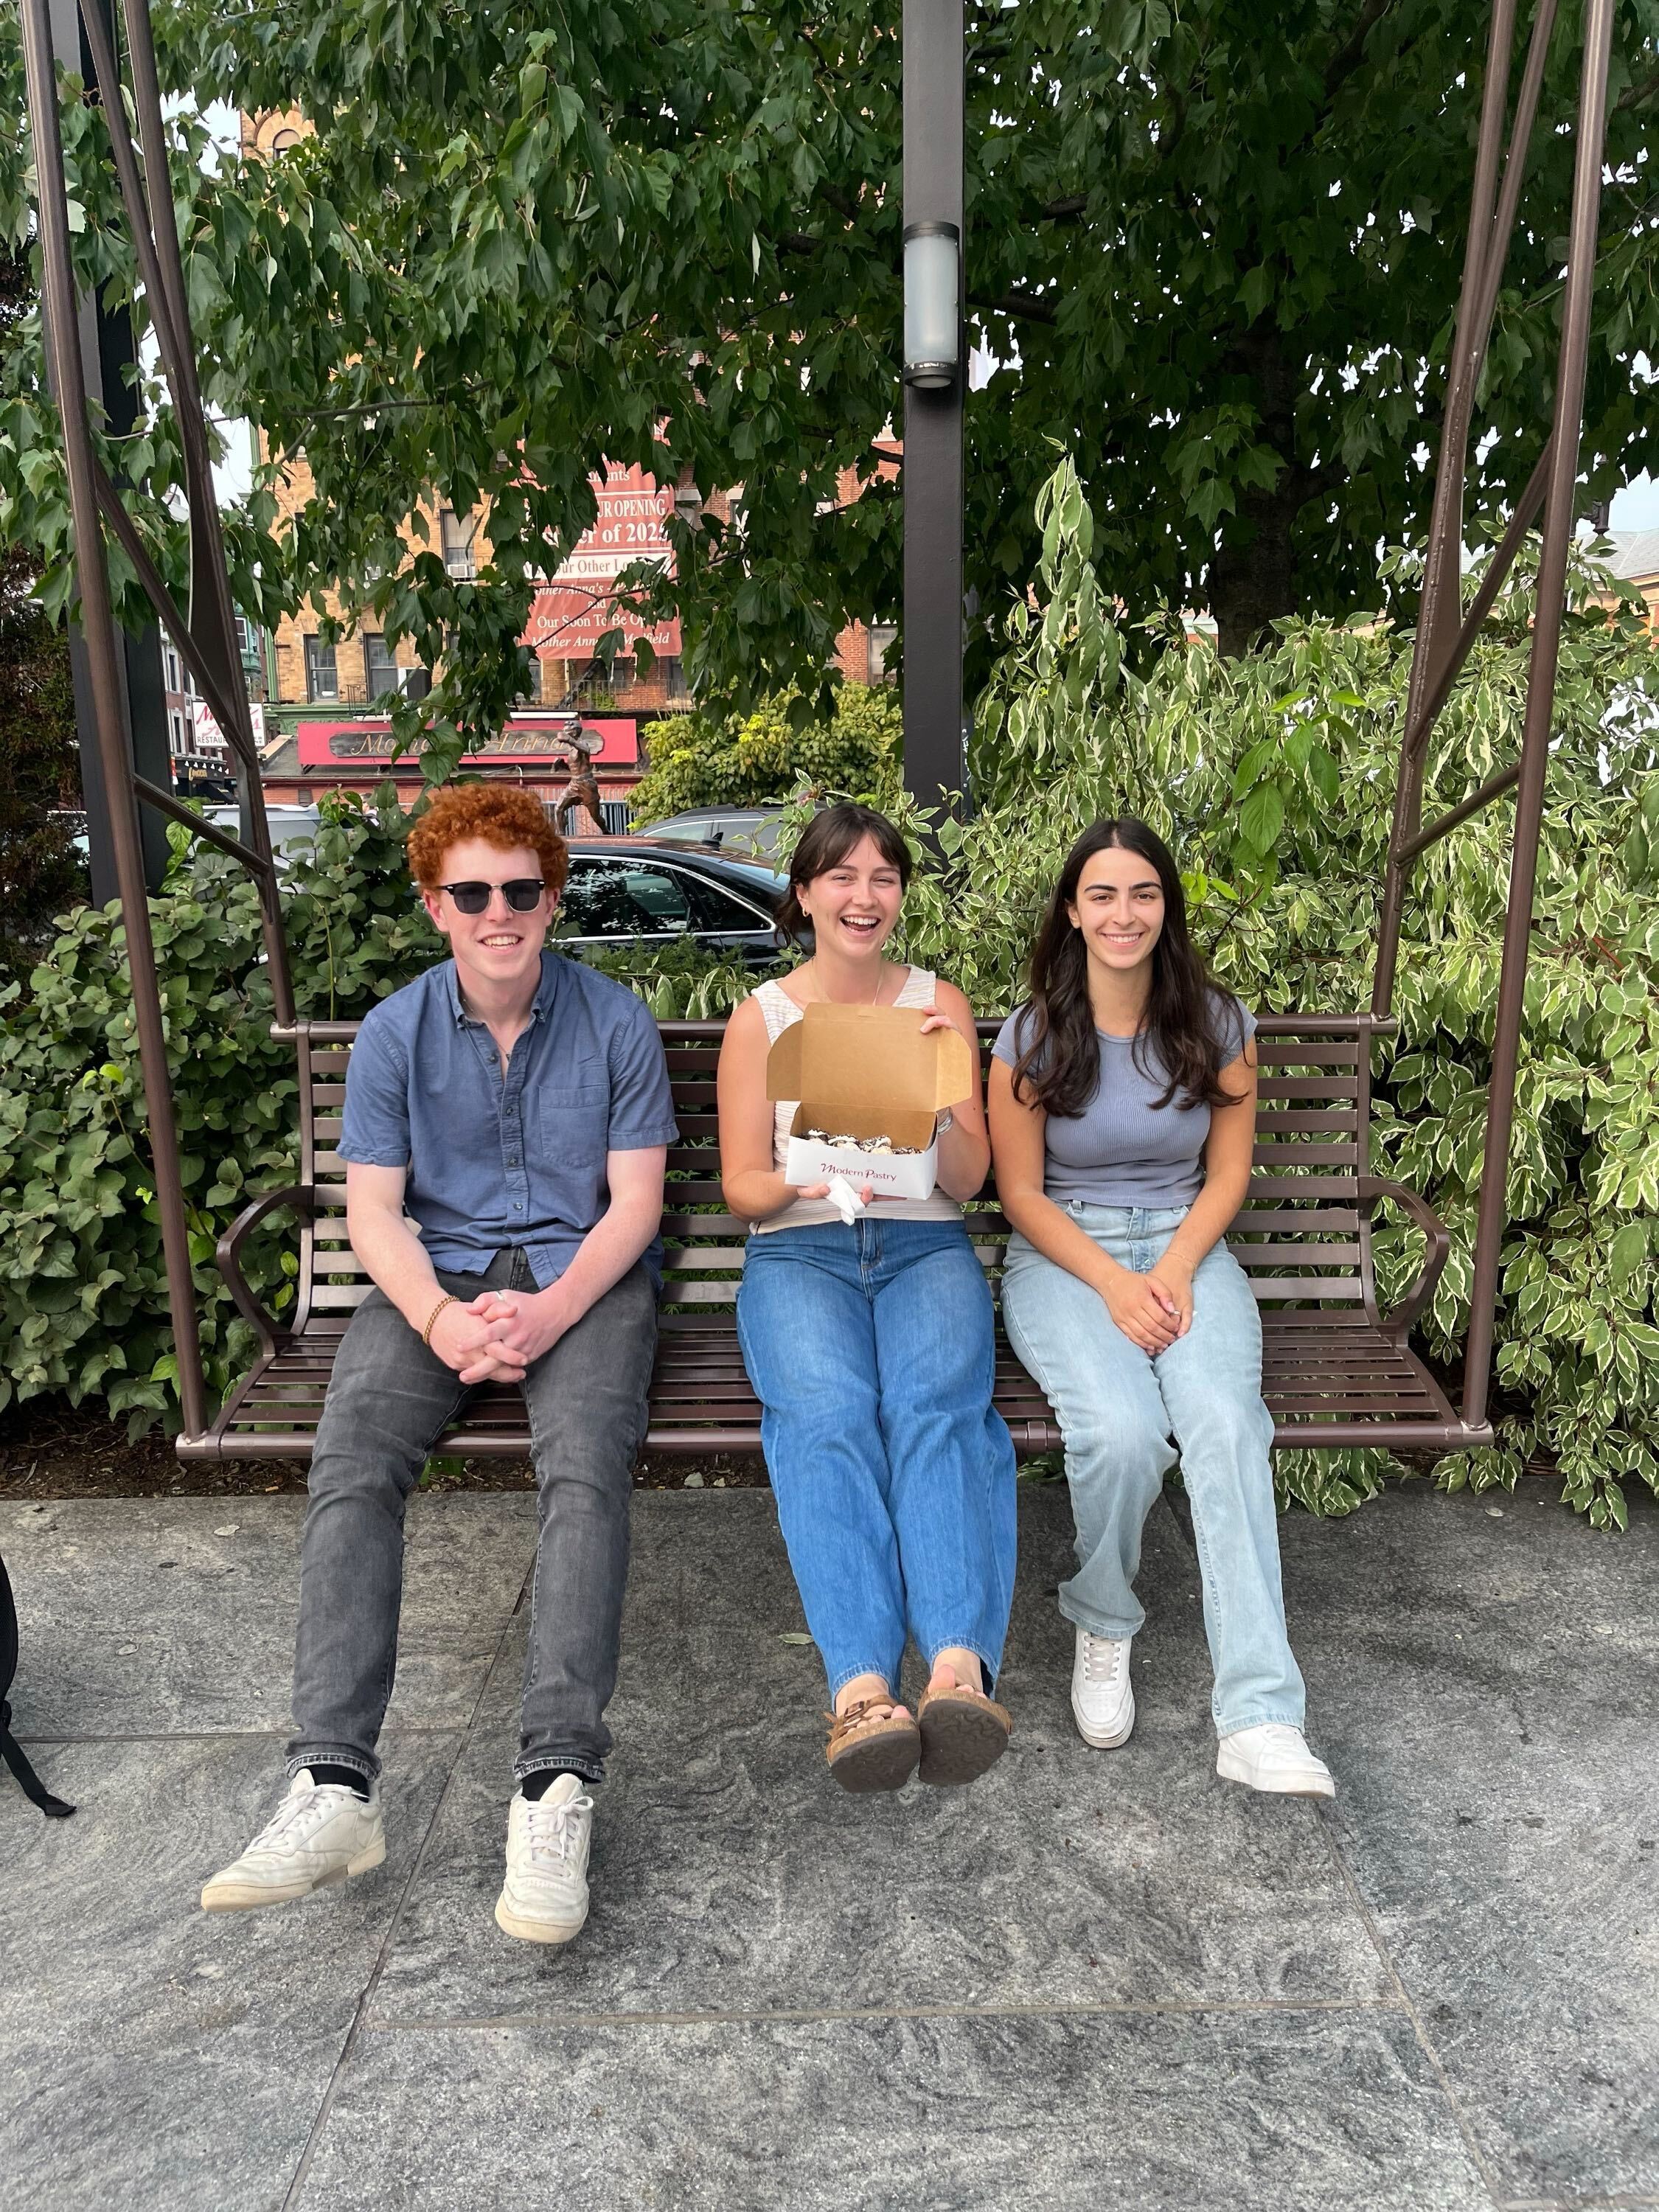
x,y
1558,510
103,663
107,355
931,473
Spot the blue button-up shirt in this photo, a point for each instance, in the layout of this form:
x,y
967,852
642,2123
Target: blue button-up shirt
x,y
496,1160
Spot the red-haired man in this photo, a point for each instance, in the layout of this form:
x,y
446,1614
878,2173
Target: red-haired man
x,y
505,1125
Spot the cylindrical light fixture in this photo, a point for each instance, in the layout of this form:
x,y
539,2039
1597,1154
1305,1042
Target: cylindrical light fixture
x,y
933,305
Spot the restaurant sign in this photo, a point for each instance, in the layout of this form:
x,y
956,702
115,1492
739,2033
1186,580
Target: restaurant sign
x,y
607,740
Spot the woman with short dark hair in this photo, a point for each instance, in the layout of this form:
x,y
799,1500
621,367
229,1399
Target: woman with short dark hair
x,y
1123,1118
871,1344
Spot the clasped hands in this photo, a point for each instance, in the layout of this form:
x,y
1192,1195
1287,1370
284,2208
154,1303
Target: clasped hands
x,y
499,1335
1154,1309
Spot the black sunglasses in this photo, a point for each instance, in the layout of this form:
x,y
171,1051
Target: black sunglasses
x,y
523,893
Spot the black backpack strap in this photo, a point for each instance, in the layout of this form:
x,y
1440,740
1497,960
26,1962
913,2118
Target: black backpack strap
x,y
28,1780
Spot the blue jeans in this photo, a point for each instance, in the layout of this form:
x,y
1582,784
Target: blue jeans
x,y
872,1350
1126,1416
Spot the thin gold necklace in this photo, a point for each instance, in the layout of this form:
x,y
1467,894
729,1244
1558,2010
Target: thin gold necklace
x,y
825,997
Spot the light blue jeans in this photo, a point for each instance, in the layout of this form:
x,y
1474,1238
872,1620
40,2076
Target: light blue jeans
x,y
873,1351
1126,1415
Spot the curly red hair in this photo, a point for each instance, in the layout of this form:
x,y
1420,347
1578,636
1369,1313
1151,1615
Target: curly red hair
x,y
502,814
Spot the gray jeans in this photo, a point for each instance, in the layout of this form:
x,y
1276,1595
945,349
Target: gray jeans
x,y
389,1400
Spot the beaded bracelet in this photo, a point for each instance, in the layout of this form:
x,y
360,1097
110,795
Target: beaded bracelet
x,y
431,1319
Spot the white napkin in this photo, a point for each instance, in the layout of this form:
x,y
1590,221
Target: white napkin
x,y
844,1200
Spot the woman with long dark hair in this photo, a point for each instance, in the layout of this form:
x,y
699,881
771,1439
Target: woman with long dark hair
x,y
1122,1120
871,1344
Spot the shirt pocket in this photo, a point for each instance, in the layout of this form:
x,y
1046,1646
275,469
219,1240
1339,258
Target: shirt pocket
x,y
575,1122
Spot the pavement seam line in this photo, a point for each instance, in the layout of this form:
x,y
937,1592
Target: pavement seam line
x,y
1577,2203
302,2171
1177,2007
1478,2157
233,1736
1613,2204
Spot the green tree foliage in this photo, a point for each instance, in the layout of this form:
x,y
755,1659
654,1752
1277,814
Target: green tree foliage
x,y
753,760
40,870
1214,249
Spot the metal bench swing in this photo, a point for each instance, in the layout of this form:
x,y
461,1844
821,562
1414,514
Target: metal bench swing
x,y
1340,1370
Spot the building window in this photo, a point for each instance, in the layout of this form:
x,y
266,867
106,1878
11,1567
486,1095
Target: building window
x,y
457,532
595,688
322,679
673,675
380,669
535,690
881,636
176,723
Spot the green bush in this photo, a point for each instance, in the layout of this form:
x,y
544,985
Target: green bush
x,y
759,759
1274,776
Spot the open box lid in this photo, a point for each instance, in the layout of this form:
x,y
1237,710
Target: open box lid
x,y
871,1057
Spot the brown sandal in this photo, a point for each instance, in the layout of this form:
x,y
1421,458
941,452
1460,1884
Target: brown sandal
x,y
963,1733
867,1753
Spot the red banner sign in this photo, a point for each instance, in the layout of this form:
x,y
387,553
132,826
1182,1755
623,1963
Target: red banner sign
x,y
569,615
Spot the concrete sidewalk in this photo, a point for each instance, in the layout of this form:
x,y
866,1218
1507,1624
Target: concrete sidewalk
x,y
1095,1980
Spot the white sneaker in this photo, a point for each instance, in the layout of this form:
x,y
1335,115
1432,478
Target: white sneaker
x,y
544,1897
1276,1757
321,1833
1103,1699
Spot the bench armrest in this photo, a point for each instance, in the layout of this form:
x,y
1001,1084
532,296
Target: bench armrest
x,y
1398,1322
302,1198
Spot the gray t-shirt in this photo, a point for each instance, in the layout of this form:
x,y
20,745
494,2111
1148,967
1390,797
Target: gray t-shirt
x,y
1124,1149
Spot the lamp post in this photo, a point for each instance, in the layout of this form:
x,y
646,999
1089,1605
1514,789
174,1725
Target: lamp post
x,y
933,305
934,383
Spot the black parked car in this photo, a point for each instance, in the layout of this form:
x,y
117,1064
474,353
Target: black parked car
x,y
624,890
744,833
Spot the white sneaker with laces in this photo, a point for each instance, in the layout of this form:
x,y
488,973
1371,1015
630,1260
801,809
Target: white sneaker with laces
x,y
1103,1697
321,1833
544,1897
1276,1757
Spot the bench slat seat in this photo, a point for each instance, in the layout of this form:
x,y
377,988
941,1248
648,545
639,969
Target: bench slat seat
x,y
1337,1371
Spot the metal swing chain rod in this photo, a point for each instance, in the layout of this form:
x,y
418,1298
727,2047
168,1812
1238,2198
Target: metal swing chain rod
x,y
1541,695
1438,656
98,629
1442,566
1436,659
206,639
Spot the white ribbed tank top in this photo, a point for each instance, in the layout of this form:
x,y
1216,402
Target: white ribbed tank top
x,y
778,1009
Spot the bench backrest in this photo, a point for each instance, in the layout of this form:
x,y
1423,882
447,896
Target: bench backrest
x,y
1303,1236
